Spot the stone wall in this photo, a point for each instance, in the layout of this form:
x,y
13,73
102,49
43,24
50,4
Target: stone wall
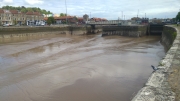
x,y
158,87
134,31
168,36
32,31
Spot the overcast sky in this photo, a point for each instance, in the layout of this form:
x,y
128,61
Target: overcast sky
x,y
109,9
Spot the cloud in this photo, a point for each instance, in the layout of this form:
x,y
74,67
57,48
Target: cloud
x,y
110,9
5,2
33,2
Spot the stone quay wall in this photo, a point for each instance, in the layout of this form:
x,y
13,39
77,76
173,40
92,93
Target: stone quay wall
x,y
159,85
133,31
36,31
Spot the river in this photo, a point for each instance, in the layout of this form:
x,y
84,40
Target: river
x,y
76,68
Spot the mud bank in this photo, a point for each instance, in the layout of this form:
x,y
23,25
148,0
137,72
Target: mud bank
x,y
158,86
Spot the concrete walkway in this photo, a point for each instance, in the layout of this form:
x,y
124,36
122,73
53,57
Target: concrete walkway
x,y
164,84
174,76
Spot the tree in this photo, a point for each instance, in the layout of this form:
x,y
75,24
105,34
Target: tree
x,y
62,14
50,20
25,10
178,17
15,22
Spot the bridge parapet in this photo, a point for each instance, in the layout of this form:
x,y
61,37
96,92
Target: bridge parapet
x,y
110,22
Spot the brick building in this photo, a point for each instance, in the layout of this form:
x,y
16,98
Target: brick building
x,y
13,17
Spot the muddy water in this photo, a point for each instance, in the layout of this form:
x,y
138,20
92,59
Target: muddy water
x,y
76,68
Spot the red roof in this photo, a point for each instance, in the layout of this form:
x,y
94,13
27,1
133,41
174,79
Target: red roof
x,y
1,11
32,13
64,17
79,18
14,11
60,18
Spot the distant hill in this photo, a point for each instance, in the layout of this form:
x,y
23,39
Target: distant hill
x,y
24,9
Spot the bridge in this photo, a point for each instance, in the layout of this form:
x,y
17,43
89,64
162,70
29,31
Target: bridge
x,y
152,29
109,22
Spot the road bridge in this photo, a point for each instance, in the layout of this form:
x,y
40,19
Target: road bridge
x,y
109,22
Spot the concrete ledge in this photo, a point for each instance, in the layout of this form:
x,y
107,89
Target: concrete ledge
x,y
157,87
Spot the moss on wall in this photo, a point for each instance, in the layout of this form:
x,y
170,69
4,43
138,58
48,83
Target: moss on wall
x,y
168,36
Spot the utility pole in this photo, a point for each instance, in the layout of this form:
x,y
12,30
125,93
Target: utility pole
x,y
66,11
138,13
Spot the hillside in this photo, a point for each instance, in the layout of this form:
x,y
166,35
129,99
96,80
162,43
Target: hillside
x,y
24,9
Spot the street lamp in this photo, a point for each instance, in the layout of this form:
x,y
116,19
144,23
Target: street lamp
x,y
66,11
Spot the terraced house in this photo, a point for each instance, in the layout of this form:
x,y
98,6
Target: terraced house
x,y
5,17
18,17
13,17
34,18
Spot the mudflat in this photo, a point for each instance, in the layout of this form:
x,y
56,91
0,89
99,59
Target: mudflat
x,y
76,68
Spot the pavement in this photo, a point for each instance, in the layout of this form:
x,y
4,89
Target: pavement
x,y
174,76
163,84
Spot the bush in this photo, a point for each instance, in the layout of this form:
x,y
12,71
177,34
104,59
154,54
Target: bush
x,y
174,35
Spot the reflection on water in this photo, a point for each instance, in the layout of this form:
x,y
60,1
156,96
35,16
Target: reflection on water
x,y
76,68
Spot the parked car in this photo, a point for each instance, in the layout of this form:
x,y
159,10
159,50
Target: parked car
x,y
6,25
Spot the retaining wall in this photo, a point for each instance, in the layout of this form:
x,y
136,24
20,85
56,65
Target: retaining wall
x,y
157,87
134,31
33,31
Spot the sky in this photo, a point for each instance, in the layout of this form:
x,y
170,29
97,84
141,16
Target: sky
x,y
109,9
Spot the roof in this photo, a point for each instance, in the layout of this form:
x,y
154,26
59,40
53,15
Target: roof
x,y
14,11
32,13
1,11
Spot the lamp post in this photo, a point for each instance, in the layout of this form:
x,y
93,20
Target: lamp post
x,y
66,11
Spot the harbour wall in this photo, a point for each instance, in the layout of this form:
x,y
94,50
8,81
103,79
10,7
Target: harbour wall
x,y
133,31
158,87
36,31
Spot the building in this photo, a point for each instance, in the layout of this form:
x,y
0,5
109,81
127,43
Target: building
x,y
34,18
97,19
56,15
13,17
138,20
70,20
17,17
5,17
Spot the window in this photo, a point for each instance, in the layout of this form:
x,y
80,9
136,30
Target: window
x,y
9,18
0,18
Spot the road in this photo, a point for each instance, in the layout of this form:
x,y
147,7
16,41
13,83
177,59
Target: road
x,y
76,68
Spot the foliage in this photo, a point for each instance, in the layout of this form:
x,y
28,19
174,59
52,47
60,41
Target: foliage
x,y
50,20
25,10
62,14
174,35
178,16
14,22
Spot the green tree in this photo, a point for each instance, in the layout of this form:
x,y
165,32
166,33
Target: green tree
x,y
25,10
178,17
15,22
62,14
50,20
